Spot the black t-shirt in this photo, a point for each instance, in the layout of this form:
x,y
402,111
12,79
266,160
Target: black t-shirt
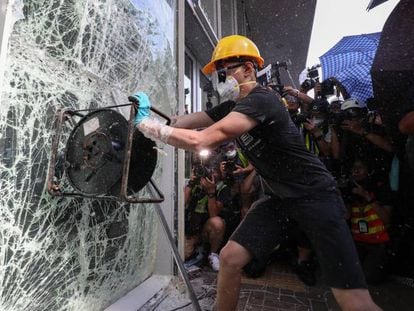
x,y
275,147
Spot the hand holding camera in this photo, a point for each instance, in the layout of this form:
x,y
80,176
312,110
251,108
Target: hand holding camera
x,y
310,125
354,126
209,184
361,192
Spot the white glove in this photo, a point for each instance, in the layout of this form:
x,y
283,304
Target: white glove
x,y
155,130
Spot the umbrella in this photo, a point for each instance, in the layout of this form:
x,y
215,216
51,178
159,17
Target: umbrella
x,y
393,68
350,61
373,3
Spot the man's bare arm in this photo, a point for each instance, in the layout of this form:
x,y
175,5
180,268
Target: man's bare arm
x,y
192,120
230,127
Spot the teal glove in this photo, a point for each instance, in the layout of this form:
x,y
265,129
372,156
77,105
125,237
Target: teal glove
x,y
144,106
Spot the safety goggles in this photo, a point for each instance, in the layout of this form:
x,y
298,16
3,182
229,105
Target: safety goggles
x,y
222,72
220,75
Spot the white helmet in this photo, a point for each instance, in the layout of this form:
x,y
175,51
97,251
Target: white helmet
x,y
352,103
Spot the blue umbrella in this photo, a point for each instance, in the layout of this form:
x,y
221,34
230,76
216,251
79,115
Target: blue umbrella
x,y
350,61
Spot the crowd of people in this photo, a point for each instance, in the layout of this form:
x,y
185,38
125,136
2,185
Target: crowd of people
x,y
320,170
351,142
222,187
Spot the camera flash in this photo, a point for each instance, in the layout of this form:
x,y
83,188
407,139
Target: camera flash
x,y
204,153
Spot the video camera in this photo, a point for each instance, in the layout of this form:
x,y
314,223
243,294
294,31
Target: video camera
x,y
312,78
270,75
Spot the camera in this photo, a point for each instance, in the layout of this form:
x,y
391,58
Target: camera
x,y
201,171
229,167
300,118
328,87
336,118
270,76
312,78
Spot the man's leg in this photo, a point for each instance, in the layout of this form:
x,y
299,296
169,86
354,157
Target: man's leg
x,y
321,217
256,236
214,230
233,257
354,300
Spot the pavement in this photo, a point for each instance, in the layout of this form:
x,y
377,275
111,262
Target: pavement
x,y
279,289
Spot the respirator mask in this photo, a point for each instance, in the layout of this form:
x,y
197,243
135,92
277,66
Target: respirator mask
x,y
230,154
226,85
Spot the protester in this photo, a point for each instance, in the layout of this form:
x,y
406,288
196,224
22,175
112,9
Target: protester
x,y
299,185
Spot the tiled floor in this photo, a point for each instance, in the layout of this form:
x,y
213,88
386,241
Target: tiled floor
x,y
280,289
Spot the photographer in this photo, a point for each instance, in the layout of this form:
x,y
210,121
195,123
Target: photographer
x,y
240,175
235,164
357,137
317,132
369,204
208,209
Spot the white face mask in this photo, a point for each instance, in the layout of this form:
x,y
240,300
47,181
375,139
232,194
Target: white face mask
x,y
229,89
231,154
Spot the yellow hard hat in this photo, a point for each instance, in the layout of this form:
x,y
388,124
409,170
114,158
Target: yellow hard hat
x,y
233,46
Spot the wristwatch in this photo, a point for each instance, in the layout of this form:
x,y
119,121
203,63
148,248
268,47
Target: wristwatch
x,y
211,195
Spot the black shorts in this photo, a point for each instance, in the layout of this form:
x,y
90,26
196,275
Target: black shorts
x,y
321,217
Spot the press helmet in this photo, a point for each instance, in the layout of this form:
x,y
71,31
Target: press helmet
x,y
352,103
231,47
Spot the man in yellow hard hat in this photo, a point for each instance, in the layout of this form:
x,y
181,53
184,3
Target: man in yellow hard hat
x,y
298,184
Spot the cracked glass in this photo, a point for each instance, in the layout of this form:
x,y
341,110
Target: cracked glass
x,y
74,253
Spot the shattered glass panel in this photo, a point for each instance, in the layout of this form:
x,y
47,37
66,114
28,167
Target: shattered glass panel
x,y
75,253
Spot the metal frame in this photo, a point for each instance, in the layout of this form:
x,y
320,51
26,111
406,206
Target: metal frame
x,y
127,160
196,104
205,24
54,189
